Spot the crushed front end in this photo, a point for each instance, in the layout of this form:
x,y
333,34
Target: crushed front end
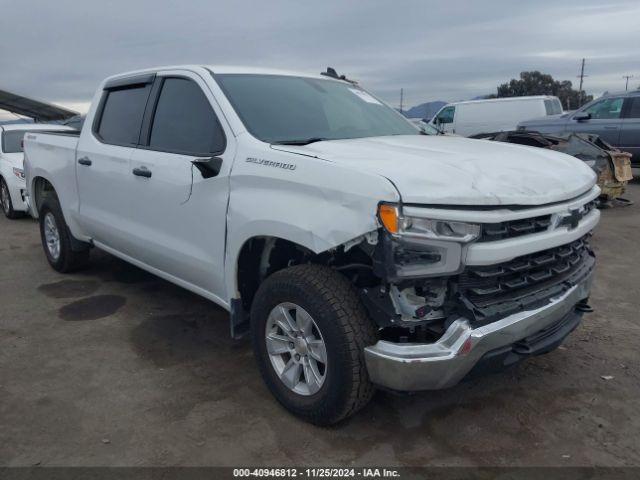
x,y
468,289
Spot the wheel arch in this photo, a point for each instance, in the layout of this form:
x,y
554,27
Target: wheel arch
x,y
40,188
259,257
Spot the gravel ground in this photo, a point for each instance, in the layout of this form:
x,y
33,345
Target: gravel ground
x,y
113,366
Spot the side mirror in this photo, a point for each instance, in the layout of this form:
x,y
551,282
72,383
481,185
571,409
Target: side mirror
x,y
208,167
582,116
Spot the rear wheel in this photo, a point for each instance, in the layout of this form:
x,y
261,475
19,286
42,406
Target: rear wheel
x,y
57,242
309,332
7,204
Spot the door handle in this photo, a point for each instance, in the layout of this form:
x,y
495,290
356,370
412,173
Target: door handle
x,y
613,127
142,172
84,161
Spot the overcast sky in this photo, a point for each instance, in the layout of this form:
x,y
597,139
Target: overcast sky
x,y
59,50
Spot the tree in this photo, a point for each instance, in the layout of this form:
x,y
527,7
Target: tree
x,y
537,83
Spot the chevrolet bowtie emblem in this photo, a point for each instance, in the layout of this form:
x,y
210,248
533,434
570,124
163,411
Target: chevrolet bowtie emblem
x,y
572,219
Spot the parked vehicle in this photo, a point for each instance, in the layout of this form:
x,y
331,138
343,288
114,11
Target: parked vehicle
x,y
493,114
612,166
12,185
615,118
357,251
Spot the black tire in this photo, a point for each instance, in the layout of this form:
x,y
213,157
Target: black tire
x,y
7,205
334,305
69,259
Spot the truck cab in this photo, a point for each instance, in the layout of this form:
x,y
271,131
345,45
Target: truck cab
x,y
355,251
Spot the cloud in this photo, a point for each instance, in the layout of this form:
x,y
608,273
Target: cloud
x,y
59,51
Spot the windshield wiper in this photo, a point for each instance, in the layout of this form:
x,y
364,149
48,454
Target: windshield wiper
x,y
305,141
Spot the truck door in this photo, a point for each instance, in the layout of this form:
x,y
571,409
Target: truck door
x,y
103,157
444,120
630,131
603,118
180,207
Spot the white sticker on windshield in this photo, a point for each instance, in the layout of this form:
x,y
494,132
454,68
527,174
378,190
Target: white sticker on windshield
x,y
364,96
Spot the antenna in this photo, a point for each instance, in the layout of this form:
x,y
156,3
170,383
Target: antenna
x,y
626,85
331,72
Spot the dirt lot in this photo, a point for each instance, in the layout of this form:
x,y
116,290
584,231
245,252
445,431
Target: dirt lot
x,y
113,366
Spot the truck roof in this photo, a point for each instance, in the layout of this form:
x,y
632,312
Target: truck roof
x,y
33,126
227,69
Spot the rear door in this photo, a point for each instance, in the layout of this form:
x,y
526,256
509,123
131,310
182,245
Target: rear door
x,y
180,215
630,131
103,157
605,120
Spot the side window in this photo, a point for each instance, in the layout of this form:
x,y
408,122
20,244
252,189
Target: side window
x,y
446,115
552,106
606,109
122,115
184,121
12,141
634,109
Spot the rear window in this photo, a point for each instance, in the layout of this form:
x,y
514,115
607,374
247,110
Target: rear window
x,y
553,106
12,141
122,115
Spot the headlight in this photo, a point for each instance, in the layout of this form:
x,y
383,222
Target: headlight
x,y
394,222
18,172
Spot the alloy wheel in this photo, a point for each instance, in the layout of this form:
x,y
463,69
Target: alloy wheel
x,y
296,348
52,235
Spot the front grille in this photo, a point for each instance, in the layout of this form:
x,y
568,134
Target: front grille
x,y
516,228
490,285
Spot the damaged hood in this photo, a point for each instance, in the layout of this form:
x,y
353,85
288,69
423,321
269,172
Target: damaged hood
x,y
460,171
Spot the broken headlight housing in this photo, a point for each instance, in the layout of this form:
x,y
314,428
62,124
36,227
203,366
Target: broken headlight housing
x,y
425,228
417,247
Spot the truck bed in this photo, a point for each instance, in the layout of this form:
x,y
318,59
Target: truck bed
x,y
52,155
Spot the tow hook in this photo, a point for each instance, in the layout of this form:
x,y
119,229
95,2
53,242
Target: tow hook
x,y
584,307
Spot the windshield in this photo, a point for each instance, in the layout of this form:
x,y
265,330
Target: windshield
x,y
12,141
286,109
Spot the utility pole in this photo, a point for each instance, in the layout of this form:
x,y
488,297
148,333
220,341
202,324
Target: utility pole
x,y
626,85
401,99
581,77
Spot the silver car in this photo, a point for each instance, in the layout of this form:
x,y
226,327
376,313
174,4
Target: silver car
x,y
614,117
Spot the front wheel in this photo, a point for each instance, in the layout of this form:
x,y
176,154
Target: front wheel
x,y
309,332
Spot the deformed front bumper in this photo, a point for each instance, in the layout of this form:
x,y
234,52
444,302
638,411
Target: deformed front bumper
x,y
414,367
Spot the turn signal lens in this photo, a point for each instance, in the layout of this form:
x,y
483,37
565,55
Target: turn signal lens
x,y
388,215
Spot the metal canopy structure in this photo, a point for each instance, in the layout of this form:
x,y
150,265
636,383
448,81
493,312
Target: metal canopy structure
x,y
28,107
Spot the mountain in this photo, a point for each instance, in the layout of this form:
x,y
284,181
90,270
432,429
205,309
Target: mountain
x,y
424,110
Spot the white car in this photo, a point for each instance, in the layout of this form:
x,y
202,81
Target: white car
x,y
356,251
493,114
12,185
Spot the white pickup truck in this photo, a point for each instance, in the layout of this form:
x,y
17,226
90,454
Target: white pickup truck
x,y
357,252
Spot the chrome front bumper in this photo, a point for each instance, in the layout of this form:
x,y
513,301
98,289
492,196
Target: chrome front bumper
x,y
413,367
